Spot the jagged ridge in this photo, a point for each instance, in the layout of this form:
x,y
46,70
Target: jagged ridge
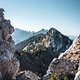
x,y
41,49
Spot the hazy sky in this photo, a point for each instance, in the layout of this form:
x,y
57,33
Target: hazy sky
x,y
34,15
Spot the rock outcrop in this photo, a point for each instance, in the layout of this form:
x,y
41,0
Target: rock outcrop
x,y
19,35
73,53
61,68
27,75
67,64
9,65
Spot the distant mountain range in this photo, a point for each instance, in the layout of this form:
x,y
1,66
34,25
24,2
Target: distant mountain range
x,y
21,35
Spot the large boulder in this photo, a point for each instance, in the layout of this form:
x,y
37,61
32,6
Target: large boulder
x,y
61,68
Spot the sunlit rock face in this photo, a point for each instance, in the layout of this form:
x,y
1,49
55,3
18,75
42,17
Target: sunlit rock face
x,y
67,64
9,65
53,39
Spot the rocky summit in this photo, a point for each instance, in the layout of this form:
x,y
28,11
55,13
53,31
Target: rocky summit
x,y
67,65
53,38
38,51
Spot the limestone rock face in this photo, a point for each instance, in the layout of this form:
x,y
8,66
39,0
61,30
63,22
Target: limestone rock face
x,y
67,64
9,65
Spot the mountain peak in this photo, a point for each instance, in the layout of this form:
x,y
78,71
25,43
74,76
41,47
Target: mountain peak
x,y
43,29
53,31
1,10
52,28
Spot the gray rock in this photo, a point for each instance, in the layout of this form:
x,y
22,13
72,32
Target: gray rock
x,y
67,64
27,75
77,76
60,67
9,65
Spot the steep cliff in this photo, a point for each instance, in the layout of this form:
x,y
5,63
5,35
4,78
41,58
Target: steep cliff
x,y
9,65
